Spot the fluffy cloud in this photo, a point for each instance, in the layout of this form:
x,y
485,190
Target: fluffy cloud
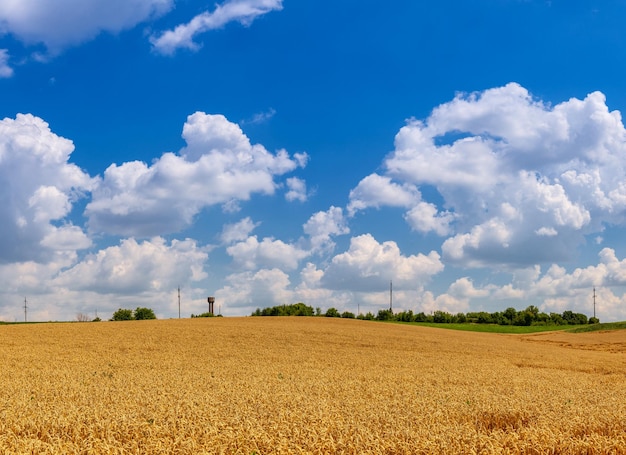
x,y
376,191
322,226
463,288
218,166
242,11
127,275
133,268
555,290
310,290
444,302
609,272
345,284
27,278
369,266
39,188
64,23
269,253
250,290
296,190
522,181
238,231
424,217
5,69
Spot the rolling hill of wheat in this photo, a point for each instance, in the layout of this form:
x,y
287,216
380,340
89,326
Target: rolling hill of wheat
x,y
306,385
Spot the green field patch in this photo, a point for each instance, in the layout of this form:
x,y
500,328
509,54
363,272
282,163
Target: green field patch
x,y
599,327
495,328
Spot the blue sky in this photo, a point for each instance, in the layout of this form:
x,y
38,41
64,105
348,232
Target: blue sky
x,y
276,151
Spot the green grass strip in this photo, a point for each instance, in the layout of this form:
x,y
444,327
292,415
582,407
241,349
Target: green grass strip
x,y
601,326
495,328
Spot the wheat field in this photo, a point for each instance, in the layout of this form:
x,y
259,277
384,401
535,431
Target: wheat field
x,y
307,386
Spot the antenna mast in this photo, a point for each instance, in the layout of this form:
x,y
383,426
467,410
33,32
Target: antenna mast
x,y
25,310
391,296
178,302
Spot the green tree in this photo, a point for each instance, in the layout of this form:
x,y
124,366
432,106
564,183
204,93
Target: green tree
x,y
482,317
385,315
300,309
574,318
461,318
510,314
296,309
523,318
534,311
442,317
544,318
332,313
369,316
557,319
144,313
405,316
207,315
123,314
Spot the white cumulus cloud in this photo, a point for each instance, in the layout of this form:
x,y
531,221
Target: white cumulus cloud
x,y
219,165
62,23
268,253
126,275
247,291
296,190
377,191
238,231
134,268
554,290
370,266
39,189
322,226
424,217
521,181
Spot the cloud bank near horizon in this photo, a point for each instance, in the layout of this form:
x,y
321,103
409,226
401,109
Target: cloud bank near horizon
x,y
518,185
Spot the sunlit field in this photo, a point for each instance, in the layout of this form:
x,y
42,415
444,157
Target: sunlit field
x,y
307,385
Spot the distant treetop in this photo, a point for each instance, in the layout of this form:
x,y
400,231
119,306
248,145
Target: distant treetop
x,y
296,309
123,314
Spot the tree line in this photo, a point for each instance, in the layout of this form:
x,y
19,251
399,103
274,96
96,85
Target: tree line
x,y
138,314
529,316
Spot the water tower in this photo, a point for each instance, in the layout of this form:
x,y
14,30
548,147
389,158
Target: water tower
x,y
211,301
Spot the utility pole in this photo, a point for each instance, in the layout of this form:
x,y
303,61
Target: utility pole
x,y
594,302
391,296
178,302
25,310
